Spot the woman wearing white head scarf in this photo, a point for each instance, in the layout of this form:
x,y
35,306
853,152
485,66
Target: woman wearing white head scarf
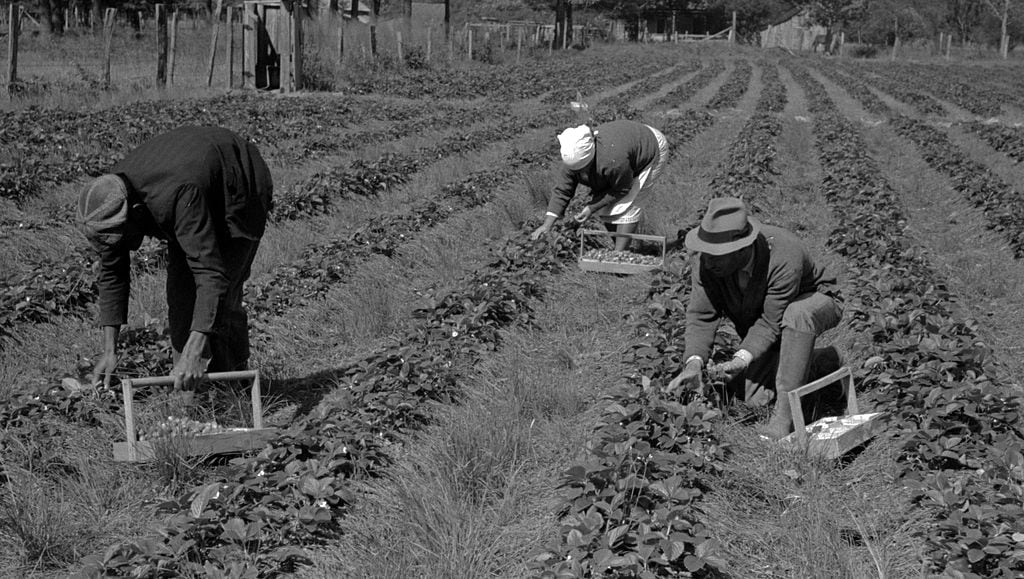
x,y
618,161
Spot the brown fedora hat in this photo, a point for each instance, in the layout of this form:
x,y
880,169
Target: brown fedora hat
x,y
725,228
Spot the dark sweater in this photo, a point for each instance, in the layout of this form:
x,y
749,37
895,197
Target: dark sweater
x,y
783,269
202,187
622,150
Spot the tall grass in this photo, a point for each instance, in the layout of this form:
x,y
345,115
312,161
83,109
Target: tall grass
x,y
781,513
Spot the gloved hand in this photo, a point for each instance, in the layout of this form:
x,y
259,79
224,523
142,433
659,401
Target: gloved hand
x,y
726,371
689,378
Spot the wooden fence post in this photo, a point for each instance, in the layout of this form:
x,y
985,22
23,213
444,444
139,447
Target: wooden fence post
x,y
250,22
14,30
296,48
398,45
172,43
108,39
231,45
519,44
430,34
214,29
469,32
161,45
949,46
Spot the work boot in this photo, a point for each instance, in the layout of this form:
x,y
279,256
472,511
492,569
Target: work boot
x,y
794,358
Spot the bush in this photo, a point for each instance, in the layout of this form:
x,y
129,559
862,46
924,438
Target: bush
x,y
863,51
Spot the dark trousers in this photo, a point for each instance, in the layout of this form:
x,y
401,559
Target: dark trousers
x,y
229,343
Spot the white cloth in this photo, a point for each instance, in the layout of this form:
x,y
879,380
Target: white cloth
x,y
624,211
577,146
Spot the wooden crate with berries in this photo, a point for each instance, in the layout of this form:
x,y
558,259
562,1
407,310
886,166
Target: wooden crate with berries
x,y
188,436
608,260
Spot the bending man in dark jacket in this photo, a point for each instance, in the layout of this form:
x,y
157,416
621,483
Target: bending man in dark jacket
x,y
207,192
763,279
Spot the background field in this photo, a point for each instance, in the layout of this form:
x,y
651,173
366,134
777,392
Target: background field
x,y
457,401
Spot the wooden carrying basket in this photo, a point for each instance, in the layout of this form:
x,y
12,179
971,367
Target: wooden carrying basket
x,y
228,441
588,264
832,436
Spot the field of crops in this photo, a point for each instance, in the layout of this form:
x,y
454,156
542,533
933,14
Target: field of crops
x,y
454,400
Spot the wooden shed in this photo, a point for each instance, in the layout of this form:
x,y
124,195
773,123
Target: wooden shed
x,y
792,30
272,36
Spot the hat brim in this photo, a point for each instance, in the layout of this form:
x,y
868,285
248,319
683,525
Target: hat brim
x,y
695,243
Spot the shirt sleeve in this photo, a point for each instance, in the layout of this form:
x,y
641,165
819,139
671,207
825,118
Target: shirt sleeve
x,y
194,233
114,285
701,321
562,192
783,287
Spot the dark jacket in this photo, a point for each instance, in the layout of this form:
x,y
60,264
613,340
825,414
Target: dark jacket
x,y
622,150
783,269
202,186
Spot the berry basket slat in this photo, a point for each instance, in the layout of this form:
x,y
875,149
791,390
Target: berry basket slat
x,y
620,261
832,436
227,440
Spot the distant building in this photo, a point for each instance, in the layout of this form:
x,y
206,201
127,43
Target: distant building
x,y
792,30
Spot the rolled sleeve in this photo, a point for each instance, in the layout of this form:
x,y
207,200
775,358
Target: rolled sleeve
x,y
783,287
114,286
194,233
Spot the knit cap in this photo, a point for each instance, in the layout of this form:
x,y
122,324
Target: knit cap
x,y
577,145
103,209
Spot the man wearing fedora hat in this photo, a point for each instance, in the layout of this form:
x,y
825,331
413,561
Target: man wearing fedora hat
x,y
765,281
206,191
618,161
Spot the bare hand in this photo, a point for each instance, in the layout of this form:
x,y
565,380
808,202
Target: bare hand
x,y
689,378
583,215
190,370
104,369
537,233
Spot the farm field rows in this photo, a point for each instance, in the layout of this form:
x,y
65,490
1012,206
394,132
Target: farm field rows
x,y
453,399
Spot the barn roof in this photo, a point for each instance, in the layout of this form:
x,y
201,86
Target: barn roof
x,y
786,16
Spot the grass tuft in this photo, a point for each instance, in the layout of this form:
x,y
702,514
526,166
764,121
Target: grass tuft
x,y
780,513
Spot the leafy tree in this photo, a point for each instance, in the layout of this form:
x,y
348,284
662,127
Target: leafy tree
x,y
753,15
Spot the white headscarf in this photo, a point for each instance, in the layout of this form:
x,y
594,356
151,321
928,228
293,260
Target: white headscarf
x,y
577,144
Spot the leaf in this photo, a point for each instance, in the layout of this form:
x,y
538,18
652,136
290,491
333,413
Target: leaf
x,y
203,498
693,564
975,555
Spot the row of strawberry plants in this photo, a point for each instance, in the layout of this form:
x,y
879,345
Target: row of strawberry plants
x,y
750,165
686,91
937,81
1000,202
630,506
923,103
87,144
732,90
1007,140
977,183
317,194
955,421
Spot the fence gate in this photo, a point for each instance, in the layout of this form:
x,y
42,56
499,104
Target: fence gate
x,y
272,36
